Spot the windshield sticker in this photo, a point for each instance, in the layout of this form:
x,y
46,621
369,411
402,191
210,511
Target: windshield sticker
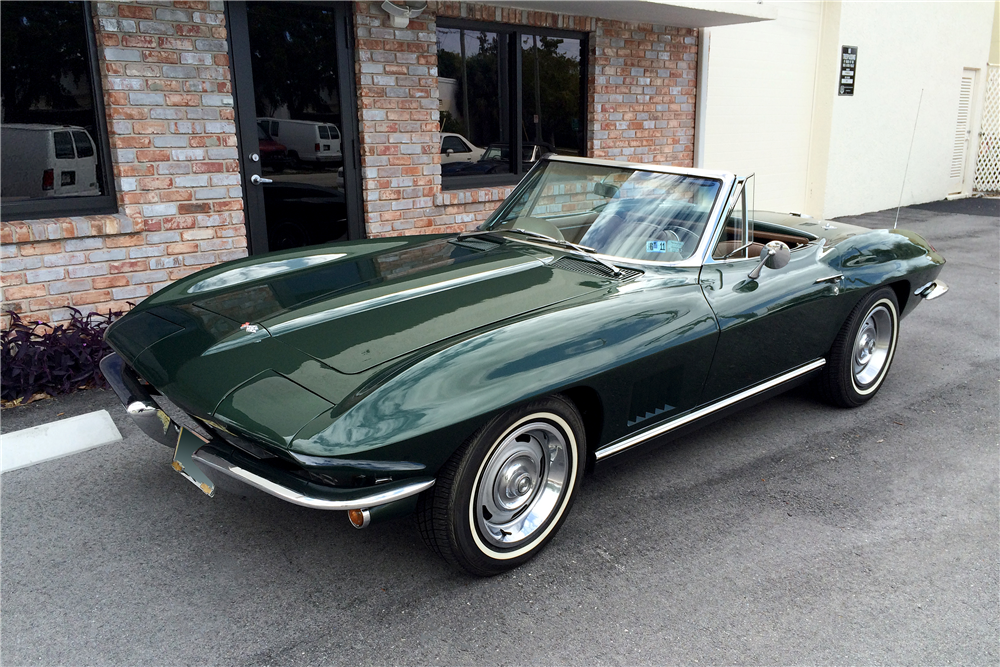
x,y
656,246
250,328
675,246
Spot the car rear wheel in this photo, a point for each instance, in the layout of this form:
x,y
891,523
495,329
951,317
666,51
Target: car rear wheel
x,y
863,351
506,492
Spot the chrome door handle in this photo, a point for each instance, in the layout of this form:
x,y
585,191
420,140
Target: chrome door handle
x,y
257,180
830,279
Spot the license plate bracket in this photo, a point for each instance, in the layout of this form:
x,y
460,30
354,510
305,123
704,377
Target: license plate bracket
x,y
189,442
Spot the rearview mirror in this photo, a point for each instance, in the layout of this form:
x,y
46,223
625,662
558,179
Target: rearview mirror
x,y
449,151
774,255
605,190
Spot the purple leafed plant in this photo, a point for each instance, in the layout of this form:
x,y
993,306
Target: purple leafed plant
x,y
59,359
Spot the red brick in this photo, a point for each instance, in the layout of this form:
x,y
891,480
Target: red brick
x,y
135,12
139,41
124,241
176,195
206,167
41,248
87,298
149,127
105,282
24,292
153,156
168,57
48,303
131,142
129,267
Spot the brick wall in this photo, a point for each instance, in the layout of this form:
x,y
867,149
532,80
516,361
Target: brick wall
x,y
168,95
640,93
168,98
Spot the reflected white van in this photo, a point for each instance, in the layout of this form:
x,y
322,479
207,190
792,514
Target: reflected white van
x,y
39,161
306,140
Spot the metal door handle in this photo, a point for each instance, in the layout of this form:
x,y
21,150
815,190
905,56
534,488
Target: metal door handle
x,y
257,180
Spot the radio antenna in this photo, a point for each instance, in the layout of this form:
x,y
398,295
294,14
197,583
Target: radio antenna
x,y
910,152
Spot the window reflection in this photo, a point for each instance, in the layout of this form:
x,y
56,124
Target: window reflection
x,y
550,75
476,91
49,118
293,51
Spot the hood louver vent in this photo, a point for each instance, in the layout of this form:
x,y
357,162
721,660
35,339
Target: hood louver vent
x,y
592,268
475,243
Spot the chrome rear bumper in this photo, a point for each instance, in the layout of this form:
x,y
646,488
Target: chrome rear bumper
x,y
225,458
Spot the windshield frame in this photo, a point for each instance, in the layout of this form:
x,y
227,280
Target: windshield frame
x,y
727,181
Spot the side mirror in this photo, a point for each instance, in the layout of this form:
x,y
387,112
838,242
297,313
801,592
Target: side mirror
x,y
449,152
774,255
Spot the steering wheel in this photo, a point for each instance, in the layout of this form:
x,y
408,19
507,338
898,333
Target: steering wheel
x,y
661,233
688,234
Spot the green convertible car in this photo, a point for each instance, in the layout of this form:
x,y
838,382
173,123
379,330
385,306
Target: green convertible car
x,y
473,379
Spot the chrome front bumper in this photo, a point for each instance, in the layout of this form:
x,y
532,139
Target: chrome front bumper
x,y
225,458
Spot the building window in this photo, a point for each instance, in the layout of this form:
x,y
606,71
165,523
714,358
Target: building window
x,y
54,147
514,92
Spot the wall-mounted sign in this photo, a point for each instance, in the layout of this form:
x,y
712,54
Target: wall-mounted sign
x,y
848,64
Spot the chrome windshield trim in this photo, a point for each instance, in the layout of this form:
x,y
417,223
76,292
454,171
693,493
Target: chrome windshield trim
x,y
632,440
213,458
727,179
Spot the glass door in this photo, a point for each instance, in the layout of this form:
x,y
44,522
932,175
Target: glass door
x,y
294,87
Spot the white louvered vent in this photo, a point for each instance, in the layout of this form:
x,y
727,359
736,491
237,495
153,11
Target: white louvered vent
x,y
988,160
961,128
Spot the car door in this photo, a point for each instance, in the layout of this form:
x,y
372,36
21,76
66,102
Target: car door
x,y
66,164
782,319
453,149
86,160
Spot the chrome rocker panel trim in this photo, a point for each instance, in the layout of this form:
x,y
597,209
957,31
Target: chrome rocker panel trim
x,y
633,440
155,423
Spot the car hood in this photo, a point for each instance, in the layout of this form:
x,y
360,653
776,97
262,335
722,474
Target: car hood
x,y
317,315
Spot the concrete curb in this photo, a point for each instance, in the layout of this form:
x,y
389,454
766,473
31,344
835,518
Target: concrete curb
x,y
57,439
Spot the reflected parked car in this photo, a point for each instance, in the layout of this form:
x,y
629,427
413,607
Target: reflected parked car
x,y
307,141
474,379
456,148
41,160
496,160
273,155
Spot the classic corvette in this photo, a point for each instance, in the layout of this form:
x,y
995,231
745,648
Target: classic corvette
x,y
474,379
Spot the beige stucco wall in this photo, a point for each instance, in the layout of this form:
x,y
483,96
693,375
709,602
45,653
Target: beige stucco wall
x,y
759,99
772,106
903,48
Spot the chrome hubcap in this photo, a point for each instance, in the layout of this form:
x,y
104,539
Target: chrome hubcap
x,y
871,347
522,483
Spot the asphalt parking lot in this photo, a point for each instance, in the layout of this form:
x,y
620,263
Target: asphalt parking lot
x,y
793,533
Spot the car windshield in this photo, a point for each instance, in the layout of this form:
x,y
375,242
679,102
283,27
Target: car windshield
x,y
497,152
618,211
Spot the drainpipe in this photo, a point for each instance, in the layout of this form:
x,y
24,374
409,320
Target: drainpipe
x,y
701,97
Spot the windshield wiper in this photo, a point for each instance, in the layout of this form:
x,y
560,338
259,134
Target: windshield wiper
x,y
580,250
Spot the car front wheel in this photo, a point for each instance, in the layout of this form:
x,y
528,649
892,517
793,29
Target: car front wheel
x,y
506,492
862,351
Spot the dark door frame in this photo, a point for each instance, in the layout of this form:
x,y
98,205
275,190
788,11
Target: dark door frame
x,y
246,125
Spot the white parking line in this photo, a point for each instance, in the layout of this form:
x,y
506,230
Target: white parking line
x,y
56,439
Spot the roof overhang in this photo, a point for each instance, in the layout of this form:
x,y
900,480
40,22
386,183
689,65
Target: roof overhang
x,y
676,13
